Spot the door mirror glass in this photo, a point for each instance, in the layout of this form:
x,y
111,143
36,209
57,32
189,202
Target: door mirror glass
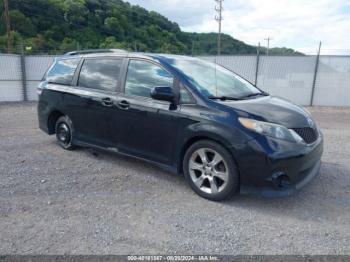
x,y
163,93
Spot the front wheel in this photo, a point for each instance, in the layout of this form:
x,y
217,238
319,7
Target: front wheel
x,y
211,171
64,132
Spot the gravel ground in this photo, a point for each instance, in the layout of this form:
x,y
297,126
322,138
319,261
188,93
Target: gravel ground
x,y
58,202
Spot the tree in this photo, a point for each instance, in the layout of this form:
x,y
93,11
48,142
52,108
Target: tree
x,y
63,25
111,42
113,27
22,24
75,12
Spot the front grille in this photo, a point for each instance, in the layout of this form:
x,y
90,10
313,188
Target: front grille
x,y
309,134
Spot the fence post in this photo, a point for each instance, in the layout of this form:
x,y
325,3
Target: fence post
x,y
24,76
257,65
315,75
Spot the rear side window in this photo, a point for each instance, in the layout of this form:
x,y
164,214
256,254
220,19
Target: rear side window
x,y
62,72
100,74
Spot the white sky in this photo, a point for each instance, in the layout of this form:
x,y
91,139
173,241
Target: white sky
x,y
297,24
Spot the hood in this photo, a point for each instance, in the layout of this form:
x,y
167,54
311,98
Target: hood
x,y
272,109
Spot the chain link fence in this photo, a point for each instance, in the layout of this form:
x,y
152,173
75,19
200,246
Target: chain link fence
x,y
11,88
304,80
35,68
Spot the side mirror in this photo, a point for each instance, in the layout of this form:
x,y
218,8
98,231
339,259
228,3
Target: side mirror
x,y
164,93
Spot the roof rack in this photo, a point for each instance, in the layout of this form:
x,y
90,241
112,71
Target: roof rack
x,y
94,51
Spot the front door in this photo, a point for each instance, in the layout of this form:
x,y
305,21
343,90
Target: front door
x,y
147,127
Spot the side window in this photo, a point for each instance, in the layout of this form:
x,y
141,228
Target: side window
x,y
100,74
143,76
62,72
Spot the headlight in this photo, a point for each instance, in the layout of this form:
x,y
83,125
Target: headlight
x,y
269,129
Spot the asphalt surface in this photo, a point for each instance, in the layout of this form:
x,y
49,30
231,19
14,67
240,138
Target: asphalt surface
x,y
59,202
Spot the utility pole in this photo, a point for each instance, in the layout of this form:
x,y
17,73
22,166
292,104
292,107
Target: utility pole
x,y
8,27
268,44
257,65
219,18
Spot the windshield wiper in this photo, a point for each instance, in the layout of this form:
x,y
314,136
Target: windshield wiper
x,y
254,94
223,98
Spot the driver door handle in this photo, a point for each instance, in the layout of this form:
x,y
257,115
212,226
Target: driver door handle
x,y
123,104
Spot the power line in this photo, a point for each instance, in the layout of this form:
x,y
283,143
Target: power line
x,y
219,18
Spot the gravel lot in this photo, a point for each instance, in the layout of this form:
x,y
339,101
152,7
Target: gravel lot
x,y
58,202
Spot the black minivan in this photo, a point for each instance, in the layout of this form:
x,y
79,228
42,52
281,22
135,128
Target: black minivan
x,y
185,115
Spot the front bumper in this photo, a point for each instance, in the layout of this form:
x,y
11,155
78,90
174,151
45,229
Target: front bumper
x,y
270,160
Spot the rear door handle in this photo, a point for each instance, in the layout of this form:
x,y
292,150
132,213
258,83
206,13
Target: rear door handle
x,y
107,101
123,104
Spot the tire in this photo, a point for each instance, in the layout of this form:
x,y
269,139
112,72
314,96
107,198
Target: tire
x,y
214,177
64,132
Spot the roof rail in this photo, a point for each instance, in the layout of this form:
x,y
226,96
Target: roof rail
x,y
94,51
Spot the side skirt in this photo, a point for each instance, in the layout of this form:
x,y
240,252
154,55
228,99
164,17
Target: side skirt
x,y
168,168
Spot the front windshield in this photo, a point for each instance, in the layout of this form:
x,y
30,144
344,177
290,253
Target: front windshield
x,y
214,80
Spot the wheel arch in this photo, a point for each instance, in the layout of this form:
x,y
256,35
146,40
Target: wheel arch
x,y
52,119
195,138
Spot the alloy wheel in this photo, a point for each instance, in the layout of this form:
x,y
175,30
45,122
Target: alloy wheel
x,y
208,170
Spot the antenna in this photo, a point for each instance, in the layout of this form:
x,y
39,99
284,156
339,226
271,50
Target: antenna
x,y
219,18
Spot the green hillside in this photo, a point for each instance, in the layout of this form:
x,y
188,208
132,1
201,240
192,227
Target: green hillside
x,y
56,26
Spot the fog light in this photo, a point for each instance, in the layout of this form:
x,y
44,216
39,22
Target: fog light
x,y
280,180
283,181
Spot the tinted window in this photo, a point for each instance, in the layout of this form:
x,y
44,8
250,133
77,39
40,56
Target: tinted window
x,y
143,76
212,79
100,74
62,72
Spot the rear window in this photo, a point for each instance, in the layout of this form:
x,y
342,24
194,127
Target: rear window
x,y
62,72
102,74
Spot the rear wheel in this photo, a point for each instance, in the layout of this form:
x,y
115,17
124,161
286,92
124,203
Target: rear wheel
x,y
64,132
211,171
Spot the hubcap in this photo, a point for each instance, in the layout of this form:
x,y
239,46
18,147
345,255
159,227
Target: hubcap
x,y
63,133
208,170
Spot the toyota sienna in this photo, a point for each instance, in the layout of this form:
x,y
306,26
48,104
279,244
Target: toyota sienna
x,y
185,115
